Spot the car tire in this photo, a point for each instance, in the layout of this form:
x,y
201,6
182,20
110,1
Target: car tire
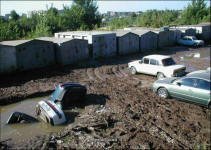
x,y
209,105
195,45
160,75
163,93
133,70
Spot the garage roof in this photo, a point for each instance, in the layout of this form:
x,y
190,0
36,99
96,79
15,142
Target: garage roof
x,y
14,42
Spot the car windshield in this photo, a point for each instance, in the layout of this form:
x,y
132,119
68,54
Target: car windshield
x,y
168,62
176,79
194,38
57,94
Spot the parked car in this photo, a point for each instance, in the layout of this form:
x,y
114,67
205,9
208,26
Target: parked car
x,y
67,94
194,87
157,65
165,28
190,41
49,112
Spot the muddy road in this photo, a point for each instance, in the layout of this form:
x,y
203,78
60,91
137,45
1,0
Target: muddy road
x,y
120,111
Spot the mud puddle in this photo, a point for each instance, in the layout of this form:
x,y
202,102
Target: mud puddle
x,y
22,132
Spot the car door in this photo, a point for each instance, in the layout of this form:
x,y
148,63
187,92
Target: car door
x,y
182,88
153,67
201,92
189,41
144,66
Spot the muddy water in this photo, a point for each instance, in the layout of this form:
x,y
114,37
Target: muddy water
x,y
21,132
195,61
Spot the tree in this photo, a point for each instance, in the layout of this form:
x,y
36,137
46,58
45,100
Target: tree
x,y
14,15
89,15
194,13
42,29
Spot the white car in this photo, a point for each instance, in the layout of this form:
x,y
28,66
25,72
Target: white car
x,y
157,65
49,112
190,41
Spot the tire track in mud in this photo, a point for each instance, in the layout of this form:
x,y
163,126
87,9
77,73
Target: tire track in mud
x,y
99,75
123,70
115,70
90,73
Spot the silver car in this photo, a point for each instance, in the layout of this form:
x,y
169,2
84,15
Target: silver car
x,y
194,87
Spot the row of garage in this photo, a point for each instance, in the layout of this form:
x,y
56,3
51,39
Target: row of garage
x,y
71,47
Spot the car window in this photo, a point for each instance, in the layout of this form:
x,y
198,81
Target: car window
x,y
202,84
184,38
146,61
188,82
168,62
153,62
194,38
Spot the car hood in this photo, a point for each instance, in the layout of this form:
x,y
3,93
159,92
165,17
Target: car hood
x,y
198,41
166,80
175,67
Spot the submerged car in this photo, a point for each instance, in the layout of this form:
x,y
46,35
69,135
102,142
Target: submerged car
x,y
157,65
49,112
190,41
65,95
194,87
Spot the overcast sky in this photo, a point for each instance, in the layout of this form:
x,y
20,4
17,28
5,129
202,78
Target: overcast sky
x,y
104,6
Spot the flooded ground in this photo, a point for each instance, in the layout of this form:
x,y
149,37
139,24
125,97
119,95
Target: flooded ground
x,y
21,132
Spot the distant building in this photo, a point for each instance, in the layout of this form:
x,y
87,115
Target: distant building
x,y
7,16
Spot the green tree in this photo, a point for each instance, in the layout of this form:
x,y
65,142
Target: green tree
x,y
41,29
14,15
194,12
89,15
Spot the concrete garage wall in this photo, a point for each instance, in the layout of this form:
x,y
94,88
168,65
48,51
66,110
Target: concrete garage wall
x,y
7,59
206,33
190,32
72,51
35,54
148,41
104,45
127,43
177,35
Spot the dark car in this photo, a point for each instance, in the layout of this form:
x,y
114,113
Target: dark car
x,y
65,95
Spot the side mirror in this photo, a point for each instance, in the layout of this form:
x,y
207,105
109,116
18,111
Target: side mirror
x,y
178,83
140,62
56,101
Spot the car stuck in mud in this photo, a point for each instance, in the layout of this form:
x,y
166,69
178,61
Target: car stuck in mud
x,y
64,95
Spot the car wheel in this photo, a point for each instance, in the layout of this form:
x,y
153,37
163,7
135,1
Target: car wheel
x,y
209,105
195,45
133,70
160,76
163,93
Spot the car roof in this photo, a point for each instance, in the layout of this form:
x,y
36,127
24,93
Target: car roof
x,y
71,84
188,36
202,74
157,57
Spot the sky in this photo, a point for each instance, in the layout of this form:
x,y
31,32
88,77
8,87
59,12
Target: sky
x,y
23,6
